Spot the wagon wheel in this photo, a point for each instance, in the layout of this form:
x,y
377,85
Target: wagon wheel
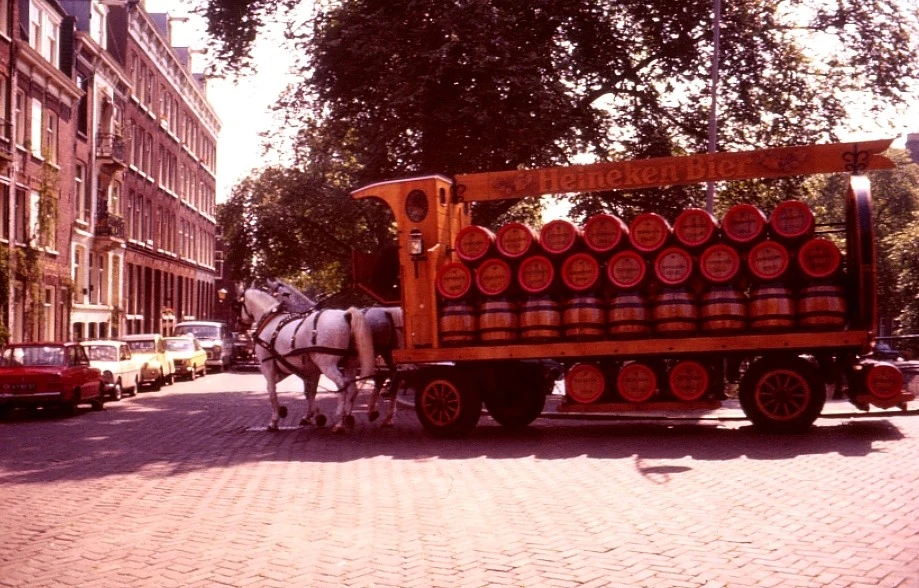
x,y
448,405
860,254
782,395
516,399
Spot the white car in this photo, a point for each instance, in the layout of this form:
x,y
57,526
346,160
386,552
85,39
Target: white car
x,y
120,370
157,368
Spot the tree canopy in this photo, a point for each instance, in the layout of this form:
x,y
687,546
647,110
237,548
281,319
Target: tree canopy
x,y
392,89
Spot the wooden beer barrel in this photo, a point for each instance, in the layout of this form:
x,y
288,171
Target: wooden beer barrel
x,y
494,277
457,324
819,259
584,383
498,321
580,272
603,233
673,266
559,237
694,229
791,222
768,261
883,380
516,240
473,244
649,232
675,312
743,225
822,306
454,281
688,380
626,270
536,274
629,315
723,309
540,319
636,382
771,307
720,264
583,317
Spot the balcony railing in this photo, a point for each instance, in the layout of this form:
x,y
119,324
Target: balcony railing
x,y
109,146
109,225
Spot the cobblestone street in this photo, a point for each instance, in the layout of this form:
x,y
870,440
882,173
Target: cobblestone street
x,y
184,487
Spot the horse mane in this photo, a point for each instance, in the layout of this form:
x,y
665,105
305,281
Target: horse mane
x,y
262,299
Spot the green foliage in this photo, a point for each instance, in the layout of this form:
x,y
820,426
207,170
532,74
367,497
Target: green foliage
x,y
299,225
395,89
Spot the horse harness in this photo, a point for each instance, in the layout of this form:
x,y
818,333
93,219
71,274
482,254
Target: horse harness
x,y
286,319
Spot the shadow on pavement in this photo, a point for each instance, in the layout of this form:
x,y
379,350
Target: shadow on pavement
x,y
167,433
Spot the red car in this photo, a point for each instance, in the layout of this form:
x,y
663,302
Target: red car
x,y
48,374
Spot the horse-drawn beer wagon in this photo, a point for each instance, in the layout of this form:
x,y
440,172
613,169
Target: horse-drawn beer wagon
x,y
655,314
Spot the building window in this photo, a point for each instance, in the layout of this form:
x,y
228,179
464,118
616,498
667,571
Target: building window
x,y
114,206
20,117
4,123
35,137
79,190
5,211
5,17
44,30
20,218
49,142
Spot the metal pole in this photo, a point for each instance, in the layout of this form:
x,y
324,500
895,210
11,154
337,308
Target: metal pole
x,y
713,109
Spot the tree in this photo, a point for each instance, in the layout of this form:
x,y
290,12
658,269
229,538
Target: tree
x,y
895,204
391,89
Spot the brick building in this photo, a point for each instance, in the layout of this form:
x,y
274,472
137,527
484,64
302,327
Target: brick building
x,y
109,138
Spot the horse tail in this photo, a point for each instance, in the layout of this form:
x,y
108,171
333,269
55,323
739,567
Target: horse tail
x,y
363,341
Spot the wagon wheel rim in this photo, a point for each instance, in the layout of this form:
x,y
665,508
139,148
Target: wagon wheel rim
x,y
441,402
784,395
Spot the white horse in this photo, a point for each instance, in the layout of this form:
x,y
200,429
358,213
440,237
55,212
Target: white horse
x,y
308,345
388,333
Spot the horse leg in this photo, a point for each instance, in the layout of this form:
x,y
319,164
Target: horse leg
x,y
329,367
372,412
310,387
393,393
277,411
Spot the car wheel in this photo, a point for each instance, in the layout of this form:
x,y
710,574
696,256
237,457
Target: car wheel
x,y
193,374
71,408
159,382
172,379
203,370
136,387
117,391
97,404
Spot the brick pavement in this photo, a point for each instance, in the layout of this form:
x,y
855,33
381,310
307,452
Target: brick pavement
x,y
184,488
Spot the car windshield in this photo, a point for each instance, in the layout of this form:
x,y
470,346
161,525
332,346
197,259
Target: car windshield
x,y
102,353
33,356
180,345
199,331
142,345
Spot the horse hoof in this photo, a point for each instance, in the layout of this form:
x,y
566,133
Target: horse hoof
x,y
320,420
305,422
273,429
386,424
339,428
349,422
283,412
373,415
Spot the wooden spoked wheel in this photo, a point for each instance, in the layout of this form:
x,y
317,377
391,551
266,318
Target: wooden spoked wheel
x,y
518,395
860,254
782,394
447,405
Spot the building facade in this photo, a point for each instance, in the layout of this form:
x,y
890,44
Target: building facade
x,y
109,181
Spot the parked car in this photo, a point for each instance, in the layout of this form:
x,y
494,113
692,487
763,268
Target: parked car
x,y
120,370
48,374
189,357
243,347
215,339
156,367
